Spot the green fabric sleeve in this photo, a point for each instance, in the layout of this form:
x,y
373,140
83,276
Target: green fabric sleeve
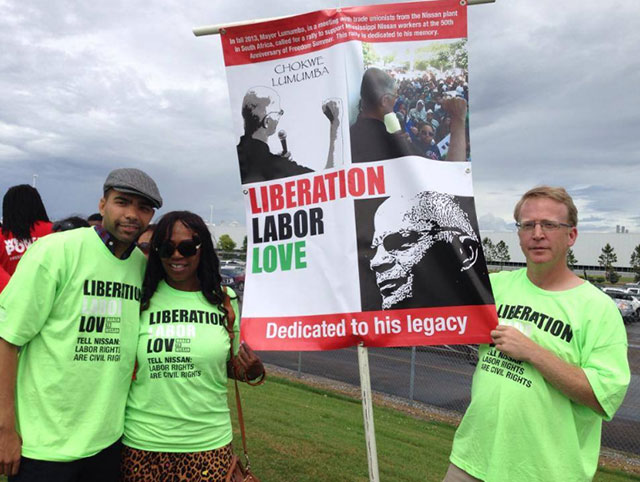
x,y
27,300
236,324
607,378
604,355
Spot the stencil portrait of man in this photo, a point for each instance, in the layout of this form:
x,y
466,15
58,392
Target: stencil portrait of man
x,y
426,253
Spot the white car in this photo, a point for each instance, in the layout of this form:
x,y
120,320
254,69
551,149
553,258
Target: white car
x,y
633,300
611,291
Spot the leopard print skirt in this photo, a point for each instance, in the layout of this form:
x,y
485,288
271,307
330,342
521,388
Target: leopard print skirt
x,y
145,466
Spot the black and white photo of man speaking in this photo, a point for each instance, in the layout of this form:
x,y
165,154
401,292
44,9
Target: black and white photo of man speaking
x,y
426,253
261,113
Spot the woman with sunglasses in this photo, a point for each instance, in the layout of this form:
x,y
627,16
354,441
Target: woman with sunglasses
x,y
177,423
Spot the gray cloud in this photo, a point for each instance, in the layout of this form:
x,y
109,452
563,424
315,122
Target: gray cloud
x,y
489,222
93,86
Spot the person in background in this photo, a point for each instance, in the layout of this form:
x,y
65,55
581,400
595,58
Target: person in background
x,y
431,120
444,129
425,142
24,220
558,368
95,219
418,114
72,222
4,279
177,422
144,240
72,308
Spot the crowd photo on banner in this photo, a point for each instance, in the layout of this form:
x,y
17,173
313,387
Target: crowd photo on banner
x,y
121,334
423,84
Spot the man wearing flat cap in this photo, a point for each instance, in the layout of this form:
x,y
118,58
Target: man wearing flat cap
x,y
72,310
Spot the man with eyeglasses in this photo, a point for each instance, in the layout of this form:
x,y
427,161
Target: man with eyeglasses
x,y
558,365
261,113
72,309
426,254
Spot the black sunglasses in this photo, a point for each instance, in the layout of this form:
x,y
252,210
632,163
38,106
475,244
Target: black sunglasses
x,y
186,248
144,247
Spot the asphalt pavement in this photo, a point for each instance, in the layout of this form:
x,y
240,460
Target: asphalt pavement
x,y
442,378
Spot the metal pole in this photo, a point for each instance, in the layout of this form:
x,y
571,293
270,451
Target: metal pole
x,y
412,373
367,412
215,29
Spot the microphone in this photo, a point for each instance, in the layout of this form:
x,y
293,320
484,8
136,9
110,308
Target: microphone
x,y
282,135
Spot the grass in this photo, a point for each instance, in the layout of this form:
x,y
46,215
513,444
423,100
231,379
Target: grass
x,y
300,433
303,434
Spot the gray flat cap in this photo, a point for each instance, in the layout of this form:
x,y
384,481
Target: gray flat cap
x,y
134,181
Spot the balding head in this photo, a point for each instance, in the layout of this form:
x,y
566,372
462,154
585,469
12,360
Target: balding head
x,y
376,86
257,104
406,229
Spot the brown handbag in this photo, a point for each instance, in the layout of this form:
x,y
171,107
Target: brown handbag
x,y
238,472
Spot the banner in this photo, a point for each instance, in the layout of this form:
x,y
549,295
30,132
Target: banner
x,y
359,227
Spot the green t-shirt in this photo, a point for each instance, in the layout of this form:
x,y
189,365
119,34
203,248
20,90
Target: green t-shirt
x,y
178,401
520,428
73,307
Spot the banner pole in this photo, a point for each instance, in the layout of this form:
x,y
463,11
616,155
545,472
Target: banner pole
x,y
412,374
215,29
367,412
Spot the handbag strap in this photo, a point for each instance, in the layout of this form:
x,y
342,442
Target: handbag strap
x,y
241,422
231,317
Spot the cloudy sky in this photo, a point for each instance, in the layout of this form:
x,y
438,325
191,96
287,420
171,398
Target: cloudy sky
x,y
91,86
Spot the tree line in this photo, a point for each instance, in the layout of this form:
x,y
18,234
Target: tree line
x,y
499,253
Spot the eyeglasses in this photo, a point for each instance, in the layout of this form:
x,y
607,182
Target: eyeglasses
x,y
426,133
406,239
144,247
544,225
392,95
276,114
186,248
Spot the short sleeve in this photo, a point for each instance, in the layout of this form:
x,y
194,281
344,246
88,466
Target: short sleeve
x,y
26,302
606,364
236,324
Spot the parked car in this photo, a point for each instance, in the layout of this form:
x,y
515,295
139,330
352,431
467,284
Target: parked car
x,y
233,278
627,312
609,290
633,300
236,264
227,280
